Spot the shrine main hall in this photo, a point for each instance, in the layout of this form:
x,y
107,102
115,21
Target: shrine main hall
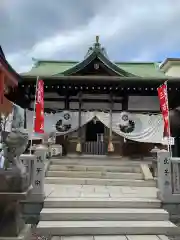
x,y
97,106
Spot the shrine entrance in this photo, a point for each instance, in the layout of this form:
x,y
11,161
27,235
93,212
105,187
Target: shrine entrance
x,y
94,143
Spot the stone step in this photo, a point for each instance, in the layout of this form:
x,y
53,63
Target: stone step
x,y
106,228
95,162
101,203
61,167
98,181
112,237
103,214
91,174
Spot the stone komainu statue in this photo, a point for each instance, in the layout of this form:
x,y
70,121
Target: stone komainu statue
x,y
15,142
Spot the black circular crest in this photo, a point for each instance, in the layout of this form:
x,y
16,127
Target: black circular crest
x,y
66,116
61,127
125,117
129,128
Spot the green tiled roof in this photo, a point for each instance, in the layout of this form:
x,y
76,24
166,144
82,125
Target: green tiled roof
x,y
49,68
142,69
126,69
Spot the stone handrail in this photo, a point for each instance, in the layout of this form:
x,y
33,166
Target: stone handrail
x,y
28,161
37,165
168,177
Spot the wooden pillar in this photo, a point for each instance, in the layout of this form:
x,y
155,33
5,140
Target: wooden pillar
x,y
67,101
125,103
124,108
25,119
79,144
110,144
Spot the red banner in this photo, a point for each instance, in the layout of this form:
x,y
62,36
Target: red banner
x,y
163,100
39,112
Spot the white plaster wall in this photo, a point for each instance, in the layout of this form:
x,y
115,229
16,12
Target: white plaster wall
x,y
74,105
143,103
95,105
95,96
173,71
53,105
117,106
85,106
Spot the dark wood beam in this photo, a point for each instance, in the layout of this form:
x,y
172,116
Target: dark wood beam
x,y
77,100
92,78
96,88
49,110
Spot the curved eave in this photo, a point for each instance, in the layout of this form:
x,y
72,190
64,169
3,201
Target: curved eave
x,y
13,76
100,79
114,67
78,67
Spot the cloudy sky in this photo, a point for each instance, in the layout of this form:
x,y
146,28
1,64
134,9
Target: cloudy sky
x,y
130,30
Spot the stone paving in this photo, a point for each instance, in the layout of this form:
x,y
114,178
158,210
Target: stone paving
x,y
116,237
127,237
88,191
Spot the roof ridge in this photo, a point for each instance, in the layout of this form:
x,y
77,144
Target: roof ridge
x,y
143,62
54,61
115,62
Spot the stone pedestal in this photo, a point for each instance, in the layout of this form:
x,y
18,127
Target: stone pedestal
x,y
38,164
164,175
13,189
12,181
56,150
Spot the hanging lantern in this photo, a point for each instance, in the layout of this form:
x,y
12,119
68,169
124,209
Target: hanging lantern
x,y
78,147
110,147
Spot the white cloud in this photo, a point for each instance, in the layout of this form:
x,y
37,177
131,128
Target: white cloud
x,y
130,30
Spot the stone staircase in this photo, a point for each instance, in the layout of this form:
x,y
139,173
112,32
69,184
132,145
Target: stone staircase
x,y
97,172
98,198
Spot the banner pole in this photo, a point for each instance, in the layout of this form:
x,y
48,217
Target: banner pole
x,y
34,112
169,129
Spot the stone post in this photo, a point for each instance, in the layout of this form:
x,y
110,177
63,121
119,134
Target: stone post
x,y
79,142
164,175
39,173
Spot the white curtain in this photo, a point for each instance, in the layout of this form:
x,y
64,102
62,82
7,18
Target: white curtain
x,y
51,120
148,128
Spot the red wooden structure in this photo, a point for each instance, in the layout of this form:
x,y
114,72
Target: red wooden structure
x,y
8,79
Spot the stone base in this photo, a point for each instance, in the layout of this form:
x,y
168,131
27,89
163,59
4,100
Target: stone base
x,y
25,234
31,211
12,181
174,211
11,220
